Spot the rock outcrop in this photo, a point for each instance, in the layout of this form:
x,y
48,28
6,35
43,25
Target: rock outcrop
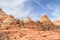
x,y
10,22
27,20
3,15
10,19
28,23
56,23
13,29
46,22
33,26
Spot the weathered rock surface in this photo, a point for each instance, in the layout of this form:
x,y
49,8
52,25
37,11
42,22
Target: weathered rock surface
x,y
46,22
3,15
13,29
27,20
57,23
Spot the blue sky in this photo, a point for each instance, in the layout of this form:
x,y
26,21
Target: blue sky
x,y
32,8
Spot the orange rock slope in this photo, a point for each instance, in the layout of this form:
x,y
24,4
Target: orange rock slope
x,y
57,23
13,29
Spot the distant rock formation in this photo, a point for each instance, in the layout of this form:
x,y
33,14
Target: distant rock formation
x,y
10,22
26,29
9,19
33,26
56,23
28,23
27,20
46,22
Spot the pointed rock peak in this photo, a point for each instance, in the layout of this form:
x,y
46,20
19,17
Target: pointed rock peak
x,y
44,15
27,20
2,12
44,18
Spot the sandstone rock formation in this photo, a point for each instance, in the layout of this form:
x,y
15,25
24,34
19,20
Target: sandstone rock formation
x,y
27,20
13,29
3,15
57,23
33,26
28,23
9,19
10,22
46,22
4,36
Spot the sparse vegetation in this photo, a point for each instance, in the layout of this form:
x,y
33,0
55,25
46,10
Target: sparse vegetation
x,y
2,36
57,27
13,29
44,28
7,36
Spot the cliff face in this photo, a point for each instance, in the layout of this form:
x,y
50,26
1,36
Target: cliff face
x,y
26,29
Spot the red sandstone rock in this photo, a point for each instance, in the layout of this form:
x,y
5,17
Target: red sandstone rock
x,y
3,15
46,22
33,26
57,23
27,20
29,30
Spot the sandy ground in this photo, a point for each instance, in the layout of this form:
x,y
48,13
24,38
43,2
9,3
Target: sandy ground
x,y
27,34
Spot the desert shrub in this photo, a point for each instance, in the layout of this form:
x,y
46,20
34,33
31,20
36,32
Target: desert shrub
x,y
44,28
0,25
57,27
48,28
39,22
21,24
20,35
7,36
2,36
7,28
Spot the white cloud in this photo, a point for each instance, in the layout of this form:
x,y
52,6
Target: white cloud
x,y
15,7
